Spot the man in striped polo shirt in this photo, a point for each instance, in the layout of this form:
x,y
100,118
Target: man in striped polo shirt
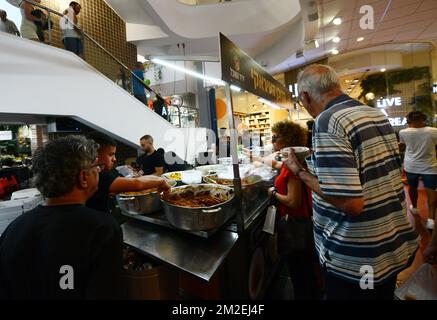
x,y
361,230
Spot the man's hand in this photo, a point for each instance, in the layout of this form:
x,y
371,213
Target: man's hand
x,y
430,254
292,163
164,187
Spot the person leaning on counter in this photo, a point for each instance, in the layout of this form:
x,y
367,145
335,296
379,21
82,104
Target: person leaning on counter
x,y
110,183
152,161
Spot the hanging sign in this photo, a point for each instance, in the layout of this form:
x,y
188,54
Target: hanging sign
x,y
242,71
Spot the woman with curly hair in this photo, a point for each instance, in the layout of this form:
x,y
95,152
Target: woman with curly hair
x,y
294,200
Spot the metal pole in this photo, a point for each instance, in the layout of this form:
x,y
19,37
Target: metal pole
x,y
236,167
50,28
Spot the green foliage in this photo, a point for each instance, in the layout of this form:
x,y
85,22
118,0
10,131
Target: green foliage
x,y
383,83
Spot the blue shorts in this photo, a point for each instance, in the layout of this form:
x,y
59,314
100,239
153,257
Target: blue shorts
x,y
429,180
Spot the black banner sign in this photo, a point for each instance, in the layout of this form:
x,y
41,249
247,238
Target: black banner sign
x,y
242,71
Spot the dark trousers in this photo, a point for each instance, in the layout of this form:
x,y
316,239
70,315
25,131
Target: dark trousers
x,y
142,98
303,275
74,45
339,289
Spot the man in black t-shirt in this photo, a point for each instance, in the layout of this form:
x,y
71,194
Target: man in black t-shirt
x,y
152,161
62,249
111,183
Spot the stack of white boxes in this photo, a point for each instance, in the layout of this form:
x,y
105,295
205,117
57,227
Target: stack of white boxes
x,y
31,198
21,201
9,210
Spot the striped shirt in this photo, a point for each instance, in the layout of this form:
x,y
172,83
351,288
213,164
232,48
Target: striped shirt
x,y
356,155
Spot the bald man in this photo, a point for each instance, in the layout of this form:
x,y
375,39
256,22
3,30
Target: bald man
x,y
362,233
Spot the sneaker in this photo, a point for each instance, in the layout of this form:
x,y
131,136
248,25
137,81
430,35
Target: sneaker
x,y
430,224
414,210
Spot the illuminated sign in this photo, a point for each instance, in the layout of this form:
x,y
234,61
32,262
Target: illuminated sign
x,y
389,102
242,71
398,121
294,91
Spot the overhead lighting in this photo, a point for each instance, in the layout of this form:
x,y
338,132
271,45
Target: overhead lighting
x,y
360,39
347,81
337,21
352,85
334,51
370,96
316,43
383,69
235,88
189,72
269,103
336,39
355,81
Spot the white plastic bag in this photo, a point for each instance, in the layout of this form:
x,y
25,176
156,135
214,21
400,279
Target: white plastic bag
x,y
125,171
422,285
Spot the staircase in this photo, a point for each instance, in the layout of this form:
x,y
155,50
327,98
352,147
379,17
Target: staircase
x,y
38,81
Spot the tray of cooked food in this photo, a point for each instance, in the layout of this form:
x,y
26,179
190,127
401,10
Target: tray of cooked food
x,y
198,207
176,175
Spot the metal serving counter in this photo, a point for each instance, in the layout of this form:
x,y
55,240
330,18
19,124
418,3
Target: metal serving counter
x,y
198,256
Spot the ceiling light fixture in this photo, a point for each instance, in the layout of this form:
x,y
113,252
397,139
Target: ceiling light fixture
x,y
189,72
337,21
360,39
334,51
235,88
336,39
383,69
267,102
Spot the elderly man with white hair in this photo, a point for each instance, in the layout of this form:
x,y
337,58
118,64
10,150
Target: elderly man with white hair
x,y
361,230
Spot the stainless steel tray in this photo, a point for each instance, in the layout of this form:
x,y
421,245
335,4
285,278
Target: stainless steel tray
x,y
158,218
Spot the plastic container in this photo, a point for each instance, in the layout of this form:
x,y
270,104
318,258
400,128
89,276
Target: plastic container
x,y
191,177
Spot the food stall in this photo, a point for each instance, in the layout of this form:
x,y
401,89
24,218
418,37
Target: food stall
x,y
210,225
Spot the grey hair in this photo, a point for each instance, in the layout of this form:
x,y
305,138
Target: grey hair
x,y
317,80
57,164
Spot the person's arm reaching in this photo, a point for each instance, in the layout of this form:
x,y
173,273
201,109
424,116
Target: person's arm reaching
x,y
268,160
121,184
343,191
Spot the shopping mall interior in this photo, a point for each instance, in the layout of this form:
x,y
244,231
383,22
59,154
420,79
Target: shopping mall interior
x,y
196,75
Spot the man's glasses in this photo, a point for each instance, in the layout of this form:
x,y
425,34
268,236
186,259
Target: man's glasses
x,y
100,166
